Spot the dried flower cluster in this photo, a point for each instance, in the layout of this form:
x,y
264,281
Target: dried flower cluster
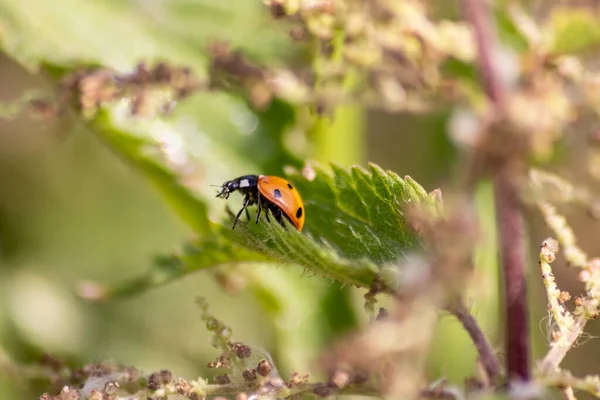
x,y
567,326
245,378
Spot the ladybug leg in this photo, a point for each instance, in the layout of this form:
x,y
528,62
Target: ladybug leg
x,y
280,220
244,207
267,215
259,204
278,215
247,215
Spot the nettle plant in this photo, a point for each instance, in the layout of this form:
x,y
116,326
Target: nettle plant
x,y
515,86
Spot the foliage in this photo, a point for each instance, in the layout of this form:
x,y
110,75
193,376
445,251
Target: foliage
x,y
184,119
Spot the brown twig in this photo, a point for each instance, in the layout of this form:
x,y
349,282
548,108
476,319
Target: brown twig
x,y
486,355
508,206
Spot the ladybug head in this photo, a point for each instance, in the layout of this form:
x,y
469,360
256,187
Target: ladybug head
x,y
227,188
243,183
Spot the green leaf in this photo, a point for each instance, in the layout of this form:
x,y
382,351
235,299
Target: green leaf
x,y
573,30
119,34
194,256
166,174
355,226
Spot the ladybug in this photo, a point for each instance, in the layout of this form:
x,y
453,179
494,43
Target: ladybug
x,y
270,193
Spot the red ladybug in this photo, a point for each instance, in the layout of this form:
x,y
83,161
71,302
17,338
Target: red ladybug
x,y
270,193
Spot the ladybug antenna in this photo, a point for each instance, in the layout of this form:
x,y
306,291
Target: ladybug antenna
x,y
224,192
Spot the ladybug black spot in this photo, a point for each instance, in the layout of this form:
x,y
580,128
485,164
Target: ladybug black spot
x,y
299,212
277,194
290,186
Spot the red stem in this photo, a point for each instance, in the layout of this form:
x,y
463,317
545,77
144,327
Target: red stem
x,y
479,17
508,207
486,355
511,228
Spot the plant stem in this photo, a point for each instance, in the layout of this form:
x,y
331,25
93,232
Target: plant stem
x,y
559,349
480,18
511,228
564,381
488,359
508,206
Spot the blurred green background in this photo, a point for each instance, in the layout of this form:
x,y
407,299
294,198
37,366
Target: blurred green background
x,y
72,210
